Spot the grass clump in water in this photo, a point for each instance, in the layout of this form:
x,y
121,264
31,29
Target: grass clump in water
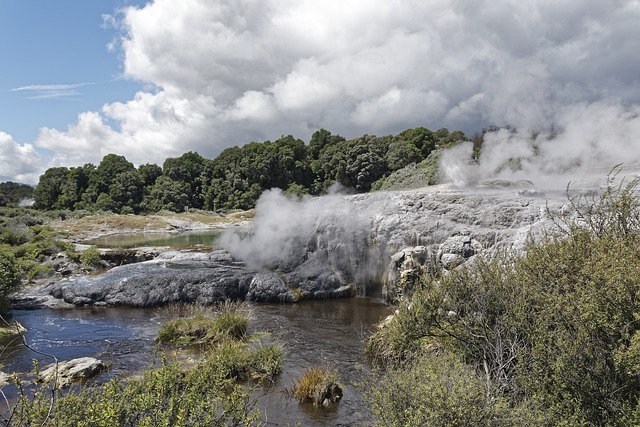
x,y
266,362
318,386
204,327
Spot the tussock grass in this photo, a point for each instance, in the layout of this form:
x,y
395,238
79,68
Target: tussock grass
x,y
266,362
318,386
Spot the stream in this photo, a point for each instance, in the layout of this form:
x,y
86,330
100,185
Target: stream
x,y
313,333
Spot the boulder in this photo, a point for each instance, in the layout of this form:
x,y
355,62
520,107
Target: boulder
x,y
4,379
66,373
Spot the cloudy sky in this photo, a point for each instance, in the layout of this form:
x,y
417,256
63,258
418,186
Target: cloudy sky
x,y
155,79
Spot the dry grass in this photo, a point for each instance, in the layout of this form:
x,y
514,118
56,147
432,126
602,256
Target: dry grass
x,y
97,225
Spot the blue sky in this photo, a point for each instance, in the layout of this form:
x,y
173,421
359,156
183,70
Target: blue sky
x,y
154,79
56,63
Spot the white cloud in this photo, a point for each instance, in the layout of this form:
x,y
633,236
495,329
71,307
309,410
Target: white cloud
x,y
50,91
228,72
19,162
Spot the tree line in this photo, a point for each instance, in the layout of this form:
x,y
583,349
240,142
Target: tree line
x,y
236,178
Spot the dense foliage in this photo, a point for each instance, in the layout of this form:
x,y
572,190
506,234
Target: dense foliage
x,y
236,178
551,338
26,245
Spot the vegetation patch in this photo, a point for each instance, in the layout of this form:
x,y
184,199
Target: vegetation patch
x,y
166,396
318,386
205,327
211,393
266,362
551,338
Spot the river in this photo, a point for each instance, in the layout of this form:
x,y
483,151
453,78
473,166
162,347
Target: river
x,y
325,332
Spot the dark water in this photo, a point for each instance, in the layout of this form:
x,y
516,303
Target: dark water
x,y
200,240
313,333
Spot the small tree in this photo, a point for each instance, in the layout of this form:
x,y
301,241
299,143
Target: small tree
x,y
9,278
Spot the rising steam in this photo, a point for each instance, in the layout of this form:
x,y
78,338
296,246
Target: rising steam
x,y
288,232
586,142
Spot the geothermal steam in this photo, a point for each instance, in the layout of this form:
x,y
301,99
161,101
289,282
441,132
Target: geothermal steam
x,y
286,230
587,141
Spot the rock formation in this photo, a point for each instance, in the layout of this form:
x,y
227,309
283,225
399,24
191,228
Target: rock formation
x,y
328,247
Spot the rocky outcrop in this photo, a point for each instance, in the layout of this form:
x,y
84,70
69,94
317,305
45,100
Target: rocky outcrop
x,y
205,279
328,247
63,374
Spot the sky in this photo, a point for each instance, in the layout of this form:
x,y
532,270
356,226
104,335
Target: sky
x,y
154,79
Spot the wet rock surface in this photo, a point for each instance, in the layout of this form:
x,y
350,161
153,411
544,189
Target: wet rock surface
x,y
64,374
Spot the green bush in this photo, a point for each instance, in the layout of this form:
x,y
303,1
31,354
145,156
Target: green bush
x,y
167,396
437,390
91,257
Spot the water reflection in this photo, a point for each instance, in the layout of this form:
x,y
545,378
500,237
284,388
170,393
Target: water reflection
x,y
201,240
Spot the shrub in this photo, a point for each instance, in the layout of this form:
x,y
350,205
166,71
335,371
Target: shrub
x,y
554,332
91,257
318,386
165,396
437,390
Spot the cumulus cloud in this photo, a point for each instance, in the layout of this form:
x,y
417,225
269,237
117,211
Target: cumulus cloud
x,y
19,162
227,72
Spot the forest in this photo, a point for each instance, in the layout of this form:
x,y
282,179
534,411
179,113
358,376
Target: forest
x,y
236,178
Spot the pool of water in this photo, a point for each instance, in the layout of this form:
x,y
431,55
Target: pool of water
x,y
312,333
204,240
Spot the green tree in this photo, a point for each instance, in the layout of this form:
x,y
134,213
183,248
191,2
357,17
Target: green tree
x,y
170,195
401,154
114,184
76,183
50,187
237,177
320,140
9,278
187,169
149,173
422,138
126,191
356,163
